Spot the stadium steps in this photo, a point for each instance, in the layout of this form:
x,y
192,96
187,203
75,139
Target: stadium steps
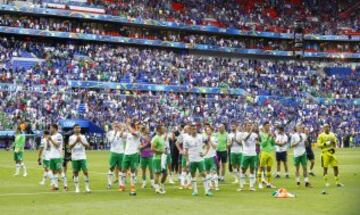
x,y
82,108
25,62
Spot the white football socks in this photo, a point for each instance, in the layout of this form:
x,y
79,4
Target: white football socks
x,y
110,177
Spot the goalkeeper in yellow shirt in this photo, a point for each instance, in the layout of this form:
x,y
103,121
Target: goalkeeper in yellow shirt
x,y
327,142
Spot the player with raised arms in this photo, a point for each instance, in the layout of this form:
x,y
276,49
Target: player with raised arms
x,y
117,147
249,140
131,154
210,157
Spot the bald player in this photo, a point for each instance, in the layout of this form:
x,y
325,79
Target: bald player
x,y
327,142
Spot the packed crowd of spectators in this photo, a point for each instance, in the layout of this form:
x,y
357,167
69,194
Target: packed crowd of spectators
x,y
44,97
54,100
57,24
111,63
329,17
40,109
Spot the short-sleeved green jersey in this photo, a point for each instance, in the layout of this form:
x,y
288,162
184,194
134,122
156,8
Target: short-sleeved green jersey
x,y
158,142
267,143
222,139
19,142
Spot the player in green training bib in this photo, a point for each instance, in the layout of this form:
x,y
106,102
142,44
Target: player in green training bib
x,y
117,147
159,160
19,145
221,151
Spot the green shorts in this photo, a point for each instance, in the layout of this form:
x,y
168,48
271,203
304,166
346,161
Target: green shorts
x,y
146,162
138,160
301,160
130,162
168,160
183,162
157,166
78,165
210,164
115,160
18,156
56,164
236,159
197,166
46,164
247,161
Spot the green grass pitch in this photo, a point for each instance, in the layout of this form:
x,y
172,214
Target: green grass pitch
x,y
19,195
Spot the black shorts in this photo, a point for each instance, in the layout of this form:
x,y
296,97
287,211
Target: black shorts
x,y
221,156
310,154
66,160
281,156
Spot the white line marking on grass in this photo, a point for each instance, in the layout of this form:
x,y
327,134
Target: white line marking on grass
x,y
97,173
26,164
41,168
50,192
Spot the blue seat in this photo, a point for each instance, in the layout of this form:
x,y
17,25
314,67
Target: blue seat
x,y
81,108
17,64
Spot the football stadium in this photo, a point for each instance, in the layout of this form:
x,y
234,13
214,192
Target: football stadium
x,y
180,107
